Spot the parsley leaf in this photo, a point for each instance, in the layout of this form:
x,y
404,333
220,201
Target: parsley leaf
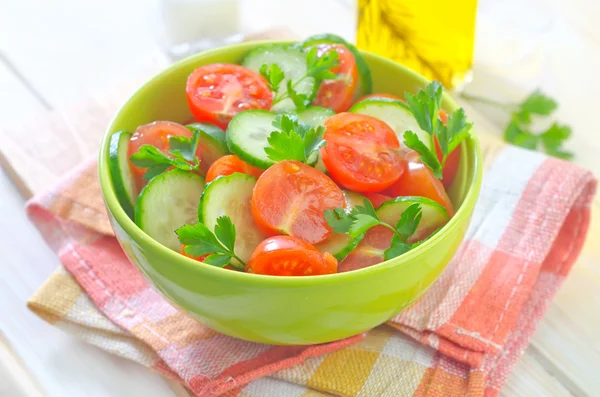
x,y
273,74
320,67
397,248
361,223
362,218
285,145
200,240
182,151
301,101
338,220
183,147
409,221
428,158
295,141
519,129
225,231
536,103
425,106
218,260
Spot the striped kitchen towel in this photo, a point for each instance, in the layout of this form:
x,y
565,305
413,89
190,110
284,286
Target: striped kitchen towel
x,y
462,337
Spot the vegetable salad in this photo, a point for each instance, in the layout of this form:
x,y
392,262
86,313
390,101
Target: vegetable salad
x,y
291,166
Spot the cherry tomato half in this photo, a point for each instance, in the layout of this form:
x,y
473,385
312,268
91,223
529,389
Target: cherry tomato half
x,y
337,93
289,256
418,180
229,164
217,92
369,251
156,134
361,152
290,198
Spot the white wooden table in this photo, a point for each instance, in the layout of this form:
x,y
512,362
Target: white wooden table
x,y
55,53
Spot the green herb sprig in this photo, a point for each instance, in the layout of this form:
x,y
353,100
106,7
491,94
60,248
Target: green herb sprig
x,y
425,107
200,240
182,155
293,140
362,218
519,130
317,67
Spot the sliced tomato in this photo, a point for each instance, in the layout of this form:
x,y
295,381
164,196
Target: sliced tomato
x,y
217,92
370,251
337,93
381,95
289,256
290,198
229,164
418,180
156,134
361,152
377,198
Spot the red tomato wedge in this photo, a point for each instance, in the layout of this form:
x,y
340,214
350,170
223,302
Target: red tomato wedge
x,y
155,134
217,92
418,180
369,251
361,152
377,198
290,198
289,256
337,94
229,164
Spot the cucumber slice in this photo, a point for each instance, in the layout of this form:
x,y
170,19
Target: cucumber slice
x,y
365,81
395,114
212,142
120,171
247,135
167,202
353,199
341,244
434,215
230,195
314,115
292,62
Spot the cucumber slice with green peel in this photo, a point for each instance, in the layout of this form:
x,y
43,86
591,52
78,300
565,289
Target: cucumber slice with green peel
x,y
434,215
213,142
120,171
247,135
166,203
352,199
365,81
314,115
230,196
292,61
341,244
395,114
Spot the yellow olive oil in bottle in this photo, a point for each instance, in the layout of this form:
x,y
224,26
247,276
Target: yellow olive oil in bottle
x,y
433,37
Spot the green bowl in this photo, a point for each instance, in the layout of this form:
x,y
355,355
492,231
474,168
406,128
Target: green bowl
x,y
284,310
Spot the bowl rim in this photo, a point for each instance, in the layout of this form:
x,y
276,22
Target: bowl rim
x,y
140,237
